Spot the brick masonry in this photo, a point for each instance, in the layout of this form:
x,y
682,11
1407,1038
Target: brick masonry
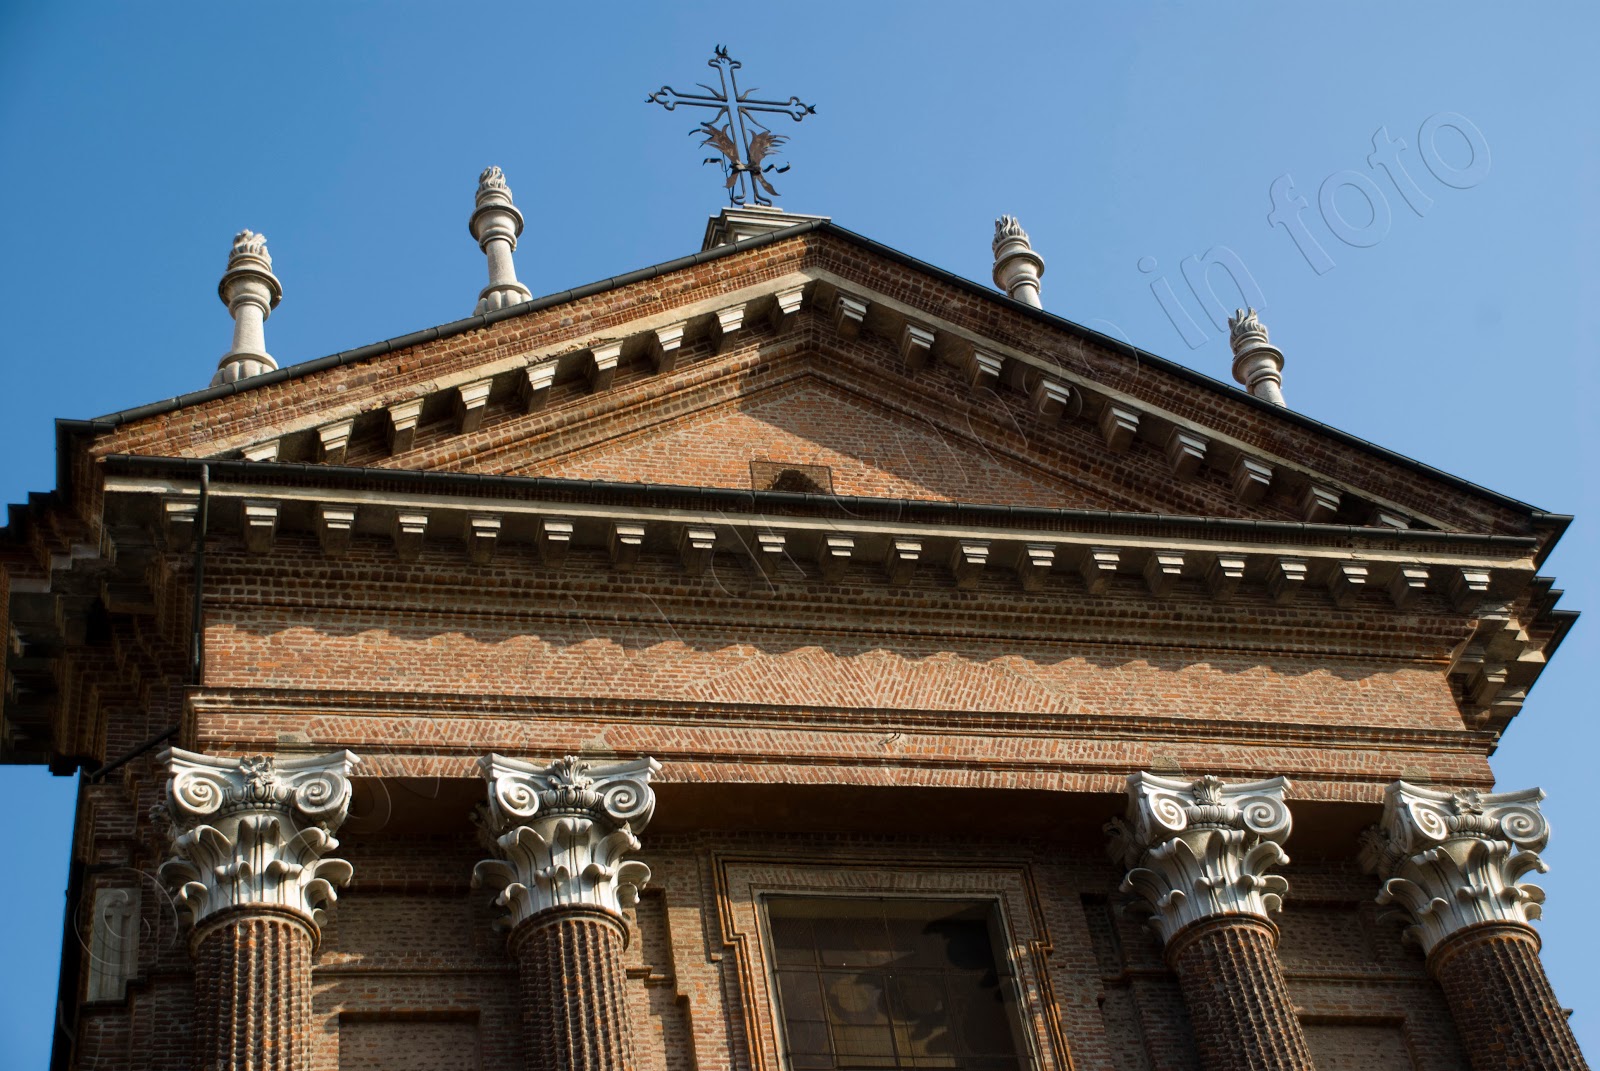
x,y
1238,1002
1504,1007
789,715
252,983
575,1013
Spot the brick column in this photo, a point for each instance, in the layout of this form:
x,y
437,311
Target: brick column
x,y
252,984
1197,855
249,837
1453,861
574,1011
562,832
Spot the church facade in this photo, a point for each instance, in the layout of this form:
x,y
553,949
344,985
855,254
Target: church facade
x,y
790,657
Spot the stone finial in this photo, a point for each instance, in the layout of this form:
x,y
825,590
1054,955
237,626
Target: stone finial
x,y
1257,363
1017,267
495,225
563,831
1455,859
251,292
1200,849
252,832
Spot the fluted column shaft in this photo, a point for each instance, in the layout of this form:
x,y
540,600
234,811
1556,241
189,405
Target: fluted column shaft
x,y
1199,855
253,992
574,1008
1504,1008
250,863
1237,998
1455,861
562,834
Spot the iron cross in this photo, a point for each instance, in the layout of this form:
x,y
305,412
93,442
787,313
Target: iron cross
x,y
734,131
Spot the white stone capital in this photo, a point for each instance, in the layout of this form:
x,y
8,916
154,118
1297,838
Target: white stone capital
x,y
562,832
1201,849
253,832
1455,859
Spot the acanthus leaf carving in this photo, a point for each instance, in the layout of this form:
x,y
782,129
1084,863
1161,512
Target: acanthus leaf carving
x,y
255,831
562,833
1450,860
1202,849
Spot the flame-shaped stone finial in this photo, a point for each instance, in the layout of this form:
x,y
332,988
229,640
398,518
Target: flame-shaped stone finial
x,y
1257,363
495,224
1017,267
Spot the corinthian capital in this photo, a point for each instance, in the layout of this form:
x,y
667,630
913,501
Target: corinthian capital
x,y
1199,849
563,831
252,832
1455,859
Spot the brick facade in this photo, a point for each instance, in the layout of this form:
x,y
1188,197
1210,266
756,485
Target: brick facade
x,y
940,723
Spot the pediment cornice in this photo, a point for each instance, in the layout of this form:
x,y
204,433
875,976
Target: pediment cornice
x,y
1051,376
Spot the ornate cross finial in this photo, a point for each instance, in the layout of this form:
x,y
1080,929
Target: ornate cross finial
x,y
734,131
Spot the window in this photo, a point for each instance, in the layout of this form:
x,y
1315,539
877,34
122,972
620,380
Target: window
x,y
892,983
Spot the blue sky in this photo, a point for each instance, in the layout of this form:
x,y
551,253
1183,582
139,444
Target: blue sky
x,y
138,138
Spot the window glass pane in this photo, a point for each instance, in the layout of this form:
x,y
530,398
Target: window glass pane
x,y
890,984
852,942
792,942
801,996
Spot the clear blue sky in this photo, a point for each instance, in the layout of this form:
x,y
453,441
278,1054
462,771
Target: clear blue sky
x,y
136,139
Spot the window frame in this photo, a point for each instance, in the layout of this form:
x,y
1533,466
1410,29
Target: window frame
x,y
1021,945
999,944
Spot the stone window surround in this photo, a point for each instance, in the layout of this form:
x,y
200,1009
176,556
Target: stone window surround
x,y
747,882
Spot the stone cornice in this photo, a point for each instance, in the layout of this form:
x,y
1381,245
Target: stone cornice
x,y
253,832
574,356
1217,557
563,832
1201,849
1455,859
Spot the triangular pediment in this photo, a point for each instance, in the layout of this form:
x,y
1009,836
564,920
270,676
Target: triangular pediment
x,y
819,360
809,434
